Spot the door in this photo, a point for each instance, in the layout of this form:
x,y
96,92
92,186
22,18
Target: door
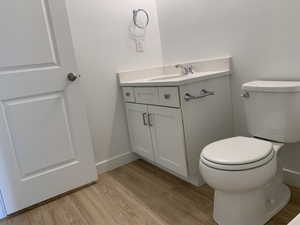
x,y
2,208
45,145
168,138
139,132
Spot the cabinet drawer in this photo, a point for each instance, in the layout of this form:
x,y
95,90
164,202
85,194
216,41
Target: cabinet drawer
x,y
128,94
168,96
146,95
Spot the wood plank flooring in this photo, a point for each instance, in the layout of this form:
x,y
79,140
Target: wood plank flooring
x,y
136,194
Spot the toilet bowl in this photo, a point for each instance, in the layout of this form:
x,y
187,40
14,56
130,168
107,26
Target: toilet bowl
x,y
243,172
246,172
295,221
238,164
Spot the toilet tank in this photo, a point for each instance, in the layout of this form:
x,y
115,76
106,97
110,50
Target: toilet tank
x,y
273,110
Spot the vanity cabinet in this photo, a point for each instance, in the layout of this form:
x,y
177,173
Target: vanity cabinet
x,y
157,134
170,125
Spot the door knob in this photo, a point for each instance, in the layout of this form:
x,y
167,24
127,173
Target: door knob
x,y
71,77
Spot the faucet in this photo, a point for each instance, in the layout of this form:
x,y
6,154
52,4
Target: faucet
x,y
190,69
186,69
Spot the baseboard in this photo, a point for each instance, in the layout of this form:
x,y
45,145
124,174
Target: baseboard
x,y
115,162
291,177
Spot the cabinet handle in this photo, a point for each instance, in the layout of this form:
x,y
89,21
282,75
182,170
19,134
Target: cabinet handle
x,y
204,93
145,119
245,94
150,120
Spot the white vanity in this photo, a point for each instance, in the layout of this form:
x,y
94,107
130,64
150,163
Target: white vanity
x,y
171,116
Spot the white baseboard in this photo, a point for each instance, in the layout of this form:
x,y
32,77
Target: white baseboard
x,y
115,162
291,177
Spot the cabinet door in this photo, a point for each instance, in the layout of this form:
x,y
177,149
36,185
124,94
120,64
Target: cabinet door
x,y
168,138
139,132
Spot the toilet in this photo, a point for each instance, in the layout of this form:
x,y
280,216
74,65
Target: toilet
x,y
245,171
295,221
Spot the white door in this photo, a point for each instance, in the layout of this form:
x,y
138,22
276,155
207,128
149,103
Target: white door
x,y
139,132
45,145
168,138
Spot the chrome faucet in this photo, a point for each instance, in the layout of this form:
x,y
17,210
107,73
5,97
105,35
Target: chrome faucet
x,y
190,68
185,69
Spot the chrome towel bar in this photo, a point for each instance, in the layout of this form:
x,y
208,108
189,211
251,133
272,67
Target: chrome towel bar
x,y
204,93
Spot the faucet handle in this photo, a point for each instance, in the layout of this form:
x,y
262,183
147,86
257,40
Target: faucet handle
x,y
190,68
184,68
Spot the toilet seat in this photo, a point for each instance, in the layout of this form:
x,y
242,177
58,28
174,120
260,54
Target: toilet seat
x,y
238,153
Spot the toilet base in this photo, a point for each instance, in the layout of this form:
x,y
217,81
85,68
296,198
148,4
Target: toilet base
x,y
255,207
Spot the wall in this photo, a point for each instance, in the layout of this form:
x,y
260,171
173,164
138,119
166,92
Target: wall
x,y
262,36
102,47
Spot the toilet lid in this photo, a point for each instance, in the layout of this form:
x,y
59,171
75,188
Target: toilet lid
x,y
237,151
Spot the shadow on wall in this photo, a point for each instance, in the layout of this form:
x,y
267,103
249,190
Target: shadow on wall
x,y
289,157
119,126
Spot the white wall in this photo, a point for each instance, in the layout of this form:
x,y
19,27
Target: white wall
x,y
262,36
99,30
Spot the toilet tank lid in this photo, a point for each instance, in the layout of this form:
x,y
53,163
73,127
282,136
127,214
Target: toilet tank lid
x,y
272,86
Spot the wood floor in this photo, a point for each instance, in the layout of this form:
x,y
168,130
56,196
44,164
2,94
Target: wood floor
x,y
136,194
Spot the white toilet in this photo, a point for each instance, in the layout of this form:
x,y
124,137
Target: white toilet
x,y
295,221
245,172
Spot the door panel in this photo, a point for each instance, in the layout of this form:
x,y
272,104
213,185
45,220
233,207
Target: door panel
x,y
45,144
35,35
37,151
139,131
168,138
36,49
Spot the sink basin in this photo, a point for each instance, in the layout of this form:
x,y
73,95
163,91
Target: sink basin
x,y
175,79
169,77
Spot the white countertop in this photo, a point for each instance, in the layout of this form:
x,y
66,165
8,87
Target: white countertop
x,y
175,79
170,75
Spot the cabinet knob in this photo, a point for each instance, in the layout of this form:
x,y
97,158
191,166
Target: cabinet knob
x,y
167,96
127,94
